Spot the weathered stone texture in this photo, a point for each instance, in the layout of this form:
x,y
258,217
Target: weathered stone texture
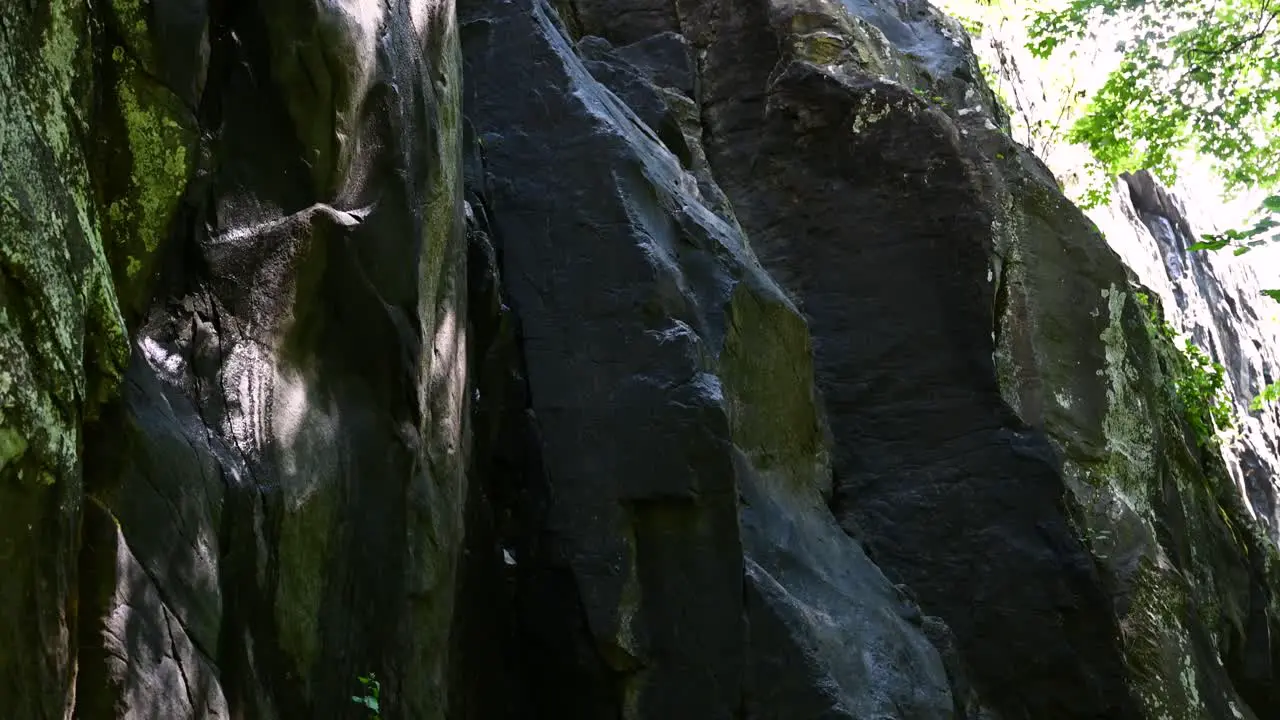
x,y
692,359
274,504
680,449
63,345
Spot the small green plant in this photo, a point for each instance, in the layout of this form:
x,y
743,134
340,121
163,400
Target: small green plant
x,y
1269,394
1202,389
1199,383
372,692
1244,240
932,97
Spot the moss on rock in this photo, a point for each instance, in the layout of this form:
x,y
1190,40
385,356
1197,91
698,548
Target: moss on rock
x,y
145,178
62,338
767,365
63,345
1152,499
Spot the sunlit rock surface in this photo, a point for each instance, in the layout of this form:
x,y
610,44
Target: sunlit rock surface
x,y
1217,300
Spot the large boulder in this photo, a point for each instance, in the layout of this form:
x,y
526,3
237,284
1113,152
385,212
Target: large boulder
x,y
1009,437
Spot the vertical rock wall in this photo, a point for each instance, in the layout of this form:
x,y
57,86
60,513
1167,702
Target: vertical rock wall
x,y
979,379
273,503
889,252
63,345
694,359
1217,300
676,557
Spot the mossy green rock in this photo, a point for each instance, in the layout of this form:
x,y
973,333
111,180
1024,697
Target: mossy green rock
x,y
1079,351
255,520
62,343
141,180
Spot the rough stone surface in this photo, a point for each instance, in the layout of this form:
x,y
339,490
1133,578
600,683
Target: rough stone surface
x,y
1216,299
1185,567
944,278
699,359
274,505
1223,533
669,380
888,255
153,69
62,343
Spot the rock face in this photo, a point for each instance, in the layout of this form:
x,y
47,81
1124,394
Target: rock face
x,y
63,345
1217,300
272,505
680,560
604,359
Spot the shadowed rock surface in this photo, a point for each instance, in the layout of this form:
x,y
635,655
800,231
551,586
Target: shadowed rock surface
x,y
672,460
596,359
273,505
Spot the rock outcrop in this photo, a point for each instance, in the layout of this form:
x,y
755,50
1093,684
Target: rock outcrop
x,y
608,358
1216,299
272,504
680,449
63,344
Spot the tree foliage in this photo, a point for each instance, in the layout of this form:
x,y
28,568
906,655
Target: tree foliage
x,y
1194,75
1199,384
1246,239
1199,75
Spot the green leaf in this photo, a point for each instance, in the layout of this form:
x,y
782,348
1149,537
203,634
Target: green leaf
x,y
1272,203
1208,244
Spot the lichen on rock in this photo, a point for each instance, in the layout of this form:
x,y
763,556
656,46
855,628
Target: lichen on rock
x,y
144,179
64,339
1155,503
63,345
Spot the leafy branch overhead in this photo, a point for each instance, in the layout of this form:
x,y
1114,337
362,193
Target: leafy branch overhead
x,y
1199,75
1247,239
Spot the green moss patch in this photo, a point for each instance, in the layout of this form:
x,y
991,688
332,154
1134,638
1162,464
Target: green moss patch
x,y
767,366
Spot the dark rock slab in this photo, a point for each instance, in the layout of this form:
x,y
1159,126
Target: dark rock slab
x,y
825,630
153,650
862,199
641,515
677,548
152,559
